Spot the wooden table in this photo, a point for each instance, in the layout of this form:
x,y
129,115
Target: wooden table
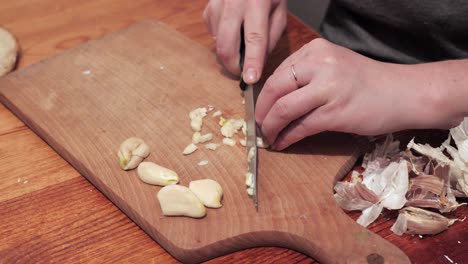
x,y
49,212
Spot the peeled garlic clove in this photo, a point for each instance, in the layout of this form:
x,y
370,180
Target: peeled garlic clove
x,y
152,173
178,200
208,191
189,149
131,152
229,141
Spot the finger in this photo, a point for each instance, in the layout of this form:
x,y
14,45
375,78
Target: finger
x,y
290,107
256,39
308,125
228,36
278,85
277,25
211,15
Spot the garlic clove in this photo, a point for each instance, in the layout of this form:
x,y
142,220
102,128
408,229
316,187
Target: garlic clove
x,y
208,191
190,149
178,200
154,174
131,152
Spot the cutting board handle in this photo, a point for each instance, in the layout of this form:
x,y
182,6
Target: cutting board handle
x,y
342,240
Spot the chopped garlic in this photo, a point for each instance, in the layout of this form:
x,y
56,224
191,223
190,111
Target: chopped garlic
x,y
190,149
250,191
196,137
243,142
211,146
249,179
244,128
229,141
261,143
217,113
206,137
251,154
222,121
210,108
196,118
203,163
231,126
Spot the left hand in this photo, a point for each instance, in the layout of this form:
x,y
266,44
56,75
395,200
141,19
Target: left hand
x,y
339,90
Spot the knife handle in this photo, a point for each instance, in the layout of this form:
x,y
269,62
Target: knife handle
x,y
242,84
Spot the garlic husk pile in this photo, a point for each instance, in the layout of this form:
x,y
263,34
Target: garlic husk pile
x,y
412,220
393,179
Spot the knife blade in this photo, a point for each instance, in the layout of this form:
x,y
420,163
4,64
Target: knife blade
x,y
251,137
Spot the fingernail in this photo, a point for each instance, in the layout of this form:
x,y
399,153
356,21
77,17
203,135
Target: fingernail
x,y
251,75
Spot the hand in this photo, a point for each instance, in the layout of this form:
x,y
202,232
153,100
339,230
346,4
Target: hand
x,y
264,22
340,90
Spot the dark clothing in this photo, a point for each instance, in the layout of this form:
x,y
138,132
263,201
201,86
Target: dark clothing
x,y
411,31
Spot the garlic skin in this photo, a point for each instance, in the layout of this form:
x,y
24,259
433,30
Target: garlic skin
x,y
412,220
131,152
154,174
178,200
208,191
189,149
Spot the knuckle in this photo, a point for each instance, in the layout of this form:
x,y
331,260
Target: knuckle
x,y
255,38
224,53
281,109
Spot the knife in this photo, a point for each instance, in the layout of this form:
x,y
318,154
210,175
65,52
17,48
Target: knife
x,y
251,137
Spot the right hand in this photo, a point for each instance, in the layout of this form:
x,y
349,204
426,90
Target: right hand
x,y
264,22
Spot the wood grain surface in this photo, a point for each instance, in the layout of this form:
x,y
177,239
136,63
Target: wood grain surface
x,y
50,213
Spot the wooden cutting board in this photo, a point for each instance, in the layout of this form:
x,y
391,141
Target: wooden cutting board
x,y
142,82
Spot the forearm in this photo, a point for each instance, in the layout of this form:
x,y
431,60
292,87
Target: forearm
x,y
440,92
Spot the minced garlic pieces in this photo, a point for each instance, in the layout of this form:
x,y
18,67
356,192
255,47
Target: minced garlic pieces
x,y
178,200
196,118
208,191
131,152
154,174
211,146
190,149
197,137
229,141
231,126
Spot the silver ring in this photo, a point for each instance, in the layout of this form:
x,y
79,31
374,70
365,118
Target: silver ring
x,y
293,72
